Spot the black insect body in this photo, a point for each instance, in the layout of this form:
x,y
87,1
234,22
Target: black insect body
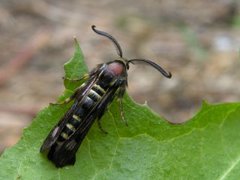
x,y
91,99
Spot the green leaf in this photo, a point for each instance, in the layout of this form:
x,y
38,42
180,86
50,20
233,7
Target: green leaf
x,y
205,147
75,67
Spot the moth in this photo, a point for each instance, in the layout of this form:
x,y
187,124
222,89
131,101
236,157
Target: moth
x,y
104,83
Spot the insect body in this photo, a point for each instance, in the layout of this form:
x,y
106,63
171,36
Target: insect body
x,y
91,99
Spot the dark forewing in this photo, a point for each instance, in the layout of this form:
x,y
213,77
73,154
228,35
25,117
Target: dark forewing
x,y
55,132
65,154
90,103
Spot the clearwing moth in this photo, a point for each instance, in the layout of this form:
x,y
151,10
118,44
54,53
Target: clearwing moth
x,y
90,100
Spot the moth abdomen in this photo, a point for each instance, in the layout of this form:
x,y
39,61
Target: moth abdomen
x,y
94,95
88,103
98,89
69,129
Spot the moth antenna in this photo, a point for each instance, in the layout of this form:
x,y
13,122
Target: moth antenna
x,y
114,41
153,64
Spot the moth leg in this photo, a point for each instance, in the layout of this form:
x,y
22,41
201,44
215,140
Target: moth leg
x,y
84,77
66,101
100,127
121,111
77,91
121,92
69,99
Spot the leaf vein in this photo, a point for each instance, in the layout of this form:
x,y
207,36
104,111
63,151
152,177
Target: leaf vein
x,y
232,166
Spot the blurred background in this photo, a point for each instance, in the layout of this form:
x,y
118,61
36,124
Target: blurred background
x,y
198,41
